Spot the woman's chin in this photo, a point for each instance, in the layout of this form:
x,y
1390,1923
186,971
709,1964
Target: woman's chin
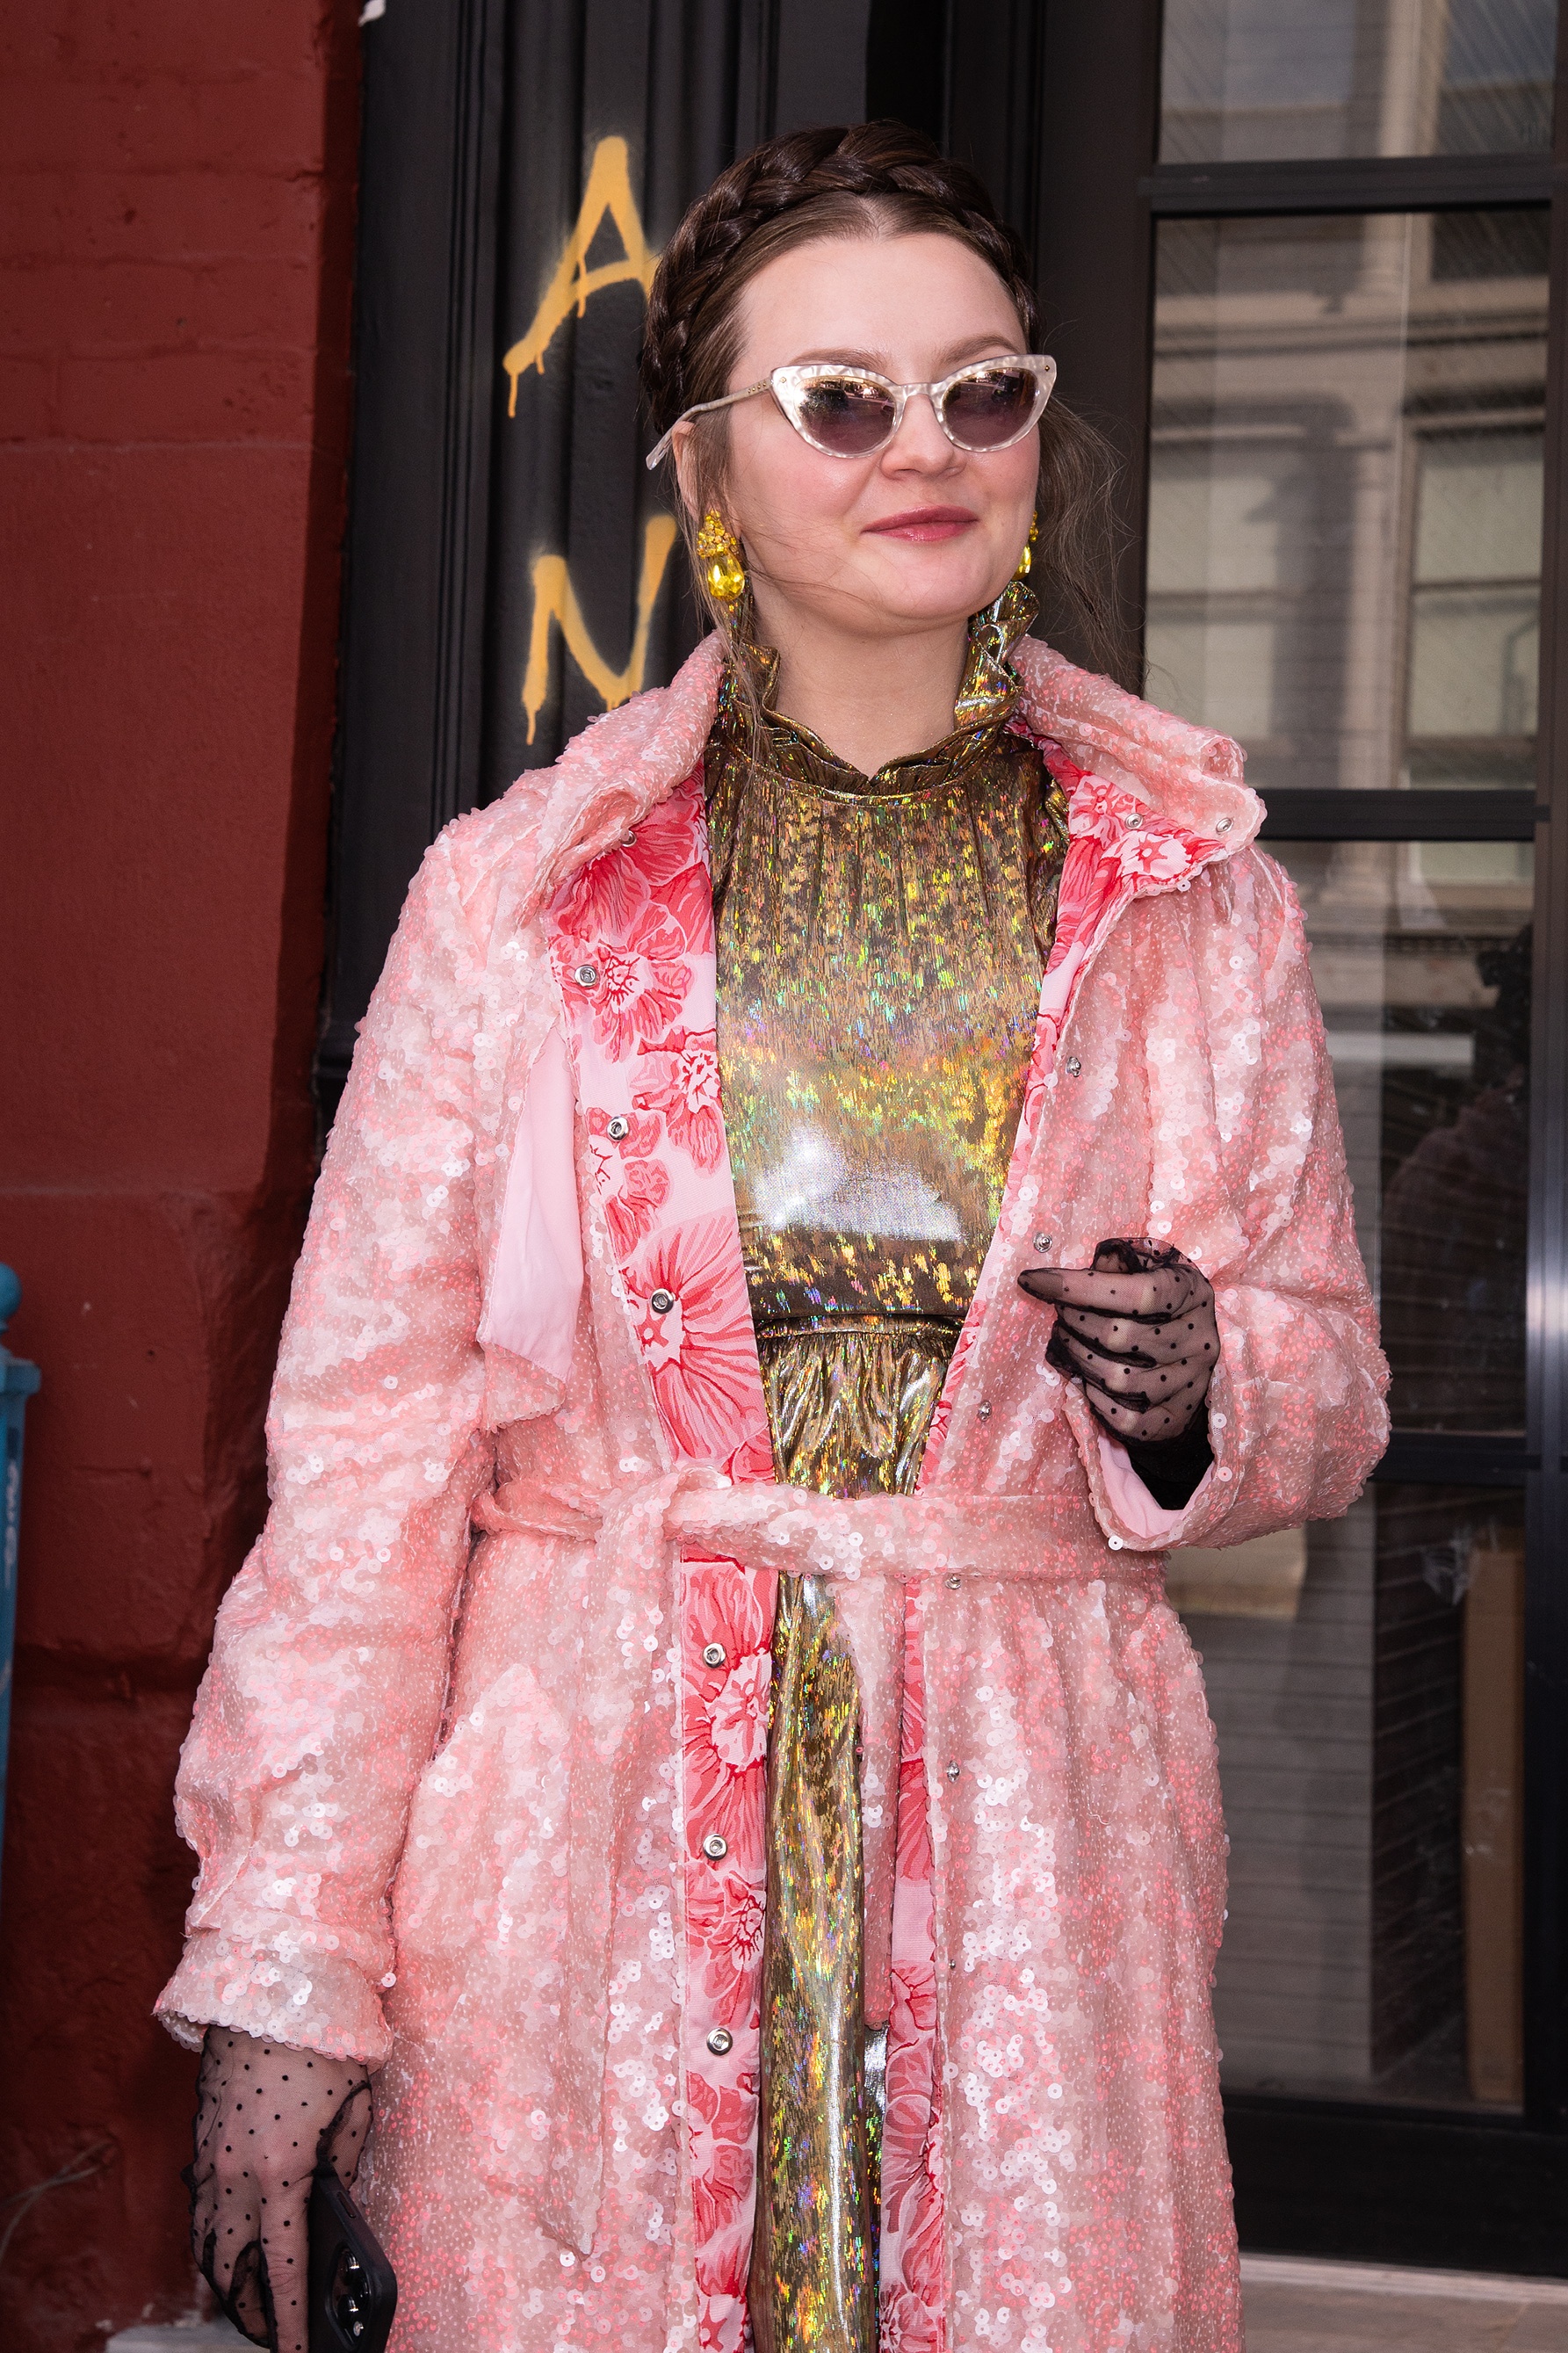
x,y
923,597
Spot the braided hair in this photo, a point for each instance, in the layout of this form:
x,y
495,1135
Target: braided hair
x,y
877,179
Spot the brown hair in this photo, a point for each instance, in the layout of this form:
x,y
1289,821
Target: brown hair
x,y
876,179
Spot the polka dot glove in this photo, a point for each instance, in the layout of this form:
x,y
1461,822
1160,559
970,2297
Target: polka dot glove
x,y
265,2115
1138,1329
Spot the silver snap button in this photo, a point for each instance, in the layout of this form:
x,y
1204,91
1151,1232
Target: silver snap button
x,y
629,840
1222,825
1115,1542
1073,1066
1133,824
586,976
1043,1242
661,1301
953,1583
618,1127
713,1655
721,2042
952,1772
715,1846
983,1412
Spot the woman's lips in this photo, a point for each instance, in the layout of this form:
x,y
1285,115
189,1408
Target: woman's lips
x,y
925,524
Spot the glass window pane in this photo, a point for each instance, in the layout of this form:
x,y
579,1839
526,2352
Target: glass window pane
x,y
1366,1680
1421,954
1345,494
1253,80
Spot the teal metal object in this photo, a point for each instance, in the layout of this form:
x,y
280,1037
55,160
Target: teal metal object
x,y
18,1379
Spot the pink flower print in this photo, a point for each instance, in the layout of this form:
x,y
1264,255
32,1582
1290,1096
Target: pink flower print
x,y
1152,856
725,1744
722,1605
739,1716
687,1292
912,2043
1061,769
633,987
633,1185
724,1922
1090,884
721,2120
687,901
672,837
752,1460
603,900
1098,807
906,2324
682,1083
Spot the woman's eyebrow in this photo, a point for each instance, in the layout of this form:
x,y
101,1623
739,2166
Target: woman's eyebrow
x,y
995,346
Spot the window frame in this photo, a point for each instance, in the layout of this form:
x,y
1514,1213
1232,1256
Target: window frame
x,y
1351,2178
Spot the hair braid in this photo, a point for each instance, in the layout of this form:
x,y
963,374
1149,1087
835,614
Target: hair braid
x,y
878,178
866,163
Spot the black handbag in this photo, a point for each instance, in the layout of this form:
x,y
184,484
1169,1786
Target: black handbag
x,y
352,2287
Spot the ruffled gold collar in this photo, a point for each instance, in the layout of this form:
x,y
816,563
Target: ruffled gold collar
x,y
987,696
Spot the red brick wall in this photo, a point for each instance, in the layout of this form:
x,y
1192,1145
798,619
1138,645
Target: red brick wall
x,y
177,193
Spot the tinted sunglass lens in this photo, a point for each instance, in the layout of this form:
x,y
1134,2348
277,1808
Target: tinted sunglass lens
x,y
985,412
842,415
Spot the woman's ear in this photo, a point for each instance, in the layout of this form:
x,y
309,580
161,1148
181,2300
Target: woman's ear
x,y
685,456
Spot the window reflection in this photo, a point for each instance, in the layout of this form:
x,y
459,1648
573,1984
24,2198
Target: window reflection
x,y
1366,1679
1474,628
1345,494
1421,954
1251,80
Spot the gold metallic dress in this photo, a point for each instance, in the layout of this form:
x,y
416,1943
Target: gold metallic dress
x,y
881,942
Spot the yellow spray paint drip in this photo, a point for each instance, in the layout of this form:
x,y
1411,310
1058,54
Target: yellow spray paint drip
x,y
555,599
609,191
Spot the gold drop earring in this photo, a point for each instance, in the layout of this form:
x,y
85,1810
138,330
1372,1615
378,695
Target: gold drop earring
x,y
723,564
1021,569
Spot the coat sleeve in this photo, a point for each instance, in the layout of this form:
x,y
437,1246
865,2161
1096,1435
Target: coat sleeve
x,y
324,1693
1297,1417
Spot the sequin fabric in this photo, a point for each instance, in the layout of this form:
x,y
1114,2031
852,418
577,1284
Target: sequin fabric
x,y
399,1724
879,946
881,942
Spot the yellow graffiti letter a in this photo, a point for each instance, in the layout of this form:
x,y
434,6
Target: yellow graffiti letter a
x,y
555,599
610,190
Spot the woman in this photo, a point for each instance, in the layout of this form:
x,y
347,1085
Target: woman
x,y
885,1013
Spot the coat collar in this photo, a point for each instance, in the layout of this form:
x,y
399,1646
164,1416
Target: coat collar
x,y
628,762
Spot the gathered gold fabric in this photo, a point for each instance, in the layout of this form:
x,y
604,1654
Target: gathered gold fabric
x,y
881,942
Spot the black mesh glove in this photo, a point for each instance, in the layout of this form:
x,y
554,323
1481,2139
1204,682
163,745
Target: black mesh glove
x,y
265,2115
1138,1329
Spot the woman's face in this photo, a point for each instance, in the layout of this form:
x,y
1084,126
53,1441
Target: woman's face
x,y
920,533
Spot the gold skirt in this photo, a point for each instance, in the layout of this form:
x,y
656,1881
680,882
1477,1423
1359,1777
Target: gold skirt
x,y
850,1408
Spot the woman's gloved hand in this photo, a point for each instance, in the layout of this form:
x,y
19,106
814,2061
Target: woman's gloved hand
x,y
265,2115
1138,1329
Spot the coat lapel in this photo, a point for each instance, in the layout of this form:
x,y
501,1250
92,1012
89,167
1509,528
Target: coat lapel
x,y
620,875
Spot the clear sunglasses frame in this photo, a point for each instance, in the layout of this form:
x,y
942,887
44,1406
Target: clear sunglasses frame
x,y
791,387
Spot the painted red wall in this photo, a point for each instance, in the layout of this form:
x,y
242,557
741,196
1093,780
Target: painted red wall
x,y
176,244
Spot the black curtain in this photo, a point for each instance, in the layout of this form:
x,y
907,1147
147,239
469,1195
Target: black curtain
x,y
510,148
619,111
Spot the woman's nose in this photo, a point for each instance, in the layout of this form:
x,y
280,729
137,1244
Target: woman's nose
x,y
920,440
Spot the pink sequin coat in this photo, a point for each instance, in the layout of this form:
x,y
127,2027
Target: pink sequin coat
x,y
457,1802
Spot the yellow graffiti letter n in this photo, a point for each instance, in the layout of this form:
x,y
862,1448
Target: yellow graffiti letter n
x,y
555,599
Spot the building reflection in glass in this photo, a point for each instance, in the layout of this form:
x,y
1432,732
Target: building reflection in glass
x,y
1344,546
1253,81
1345,494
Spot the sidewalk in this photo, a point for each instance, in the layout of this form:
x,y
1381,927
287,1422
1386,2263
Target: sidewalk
x,y
1294,2305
